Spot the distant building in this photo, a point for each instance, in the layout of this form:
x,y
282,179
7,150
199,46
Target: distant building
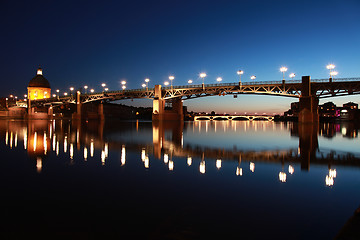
x,y
350,105
39,87
328,109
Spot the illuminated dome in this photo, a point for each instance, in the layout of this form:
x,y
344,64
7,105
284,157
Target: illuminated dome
x,y
39,80
39,87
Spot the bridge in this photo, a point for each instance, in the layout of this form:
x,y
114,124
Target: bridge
x,y
234,117
307,91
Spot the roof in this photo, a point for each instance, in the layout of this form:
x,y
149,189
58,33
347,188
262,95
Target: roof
x,y
39,81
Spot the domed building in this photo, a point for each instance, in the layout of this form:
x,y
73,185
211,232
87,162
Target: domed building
x,y
39,87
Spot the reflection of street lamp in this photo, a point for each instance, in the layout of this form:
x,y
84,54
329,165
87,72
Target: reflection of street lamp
x,y
219,79
240,72
171,78
283,70
292,75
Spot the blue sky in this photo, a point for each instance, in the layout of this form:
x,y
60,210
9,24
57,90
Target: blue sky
x,y
90,42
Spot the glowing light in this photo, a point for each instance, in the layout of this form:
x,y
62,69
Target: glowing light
x,y
329,181
71,152
147,80
219,79
123,82
189,161
65,144
283,69
166,158
202,167
39,71
332,173
57,148
123,87
253,77
123,155
282,177
218,163
91,148
291,169
238,171
7,138
240,72
35,138
106,149
292,75
92,90
45,144
166,83
252,166
103,84
85,153
103,157
146,162
333,73
171,165
190,81
71,88
202,75
330,66
171,78
143,154
143,85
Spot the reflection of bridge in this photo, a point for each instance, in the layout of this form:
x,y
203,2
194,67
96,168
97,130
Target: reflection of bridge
x,y
308,93
235,117
42,137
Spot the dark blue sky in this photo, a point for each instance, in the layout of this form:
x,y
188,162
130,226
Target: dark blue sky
x,y
84,42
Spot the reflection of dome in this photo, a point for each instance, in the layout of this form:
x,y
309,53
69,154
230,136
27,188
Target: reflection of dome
x,y
39,80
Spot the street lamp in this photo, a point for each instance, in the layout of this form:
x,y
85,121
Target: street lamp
x,y
166,83
253,77
143,85
292,75
333,73
202,75
65,93
106,89
219,79
330,67
92,90
171,78
147,80
85,87
240,72
71,89
283,70
123,82
190,81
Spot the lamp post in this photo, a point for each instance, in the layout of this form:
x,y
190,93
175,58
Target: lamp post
x,y
103,85
147,80
240,72
85,87
219,79
166,83
253,77
57,91
333,73
171,78
203,75
190,81
71,90
123,82
143,85
331,68
283,70
92,90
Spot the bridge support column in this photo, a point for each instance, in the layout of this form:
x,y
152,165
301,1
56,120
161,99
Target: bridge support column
x,y
101,111
77,114
159,112
308,104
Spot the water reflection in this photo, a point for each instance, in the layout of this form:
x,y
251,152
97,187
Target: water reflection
x,y
171,142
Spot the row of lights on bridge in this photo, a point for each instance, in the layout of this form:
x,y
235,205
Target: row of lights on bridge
x,y
202,75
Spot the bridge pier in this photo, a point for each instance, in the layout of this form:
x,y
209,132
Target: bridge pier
x,y
77,114
308,104
159,112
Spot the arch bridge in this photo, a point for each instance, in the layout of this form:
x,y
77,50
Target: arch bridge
x,y
308,92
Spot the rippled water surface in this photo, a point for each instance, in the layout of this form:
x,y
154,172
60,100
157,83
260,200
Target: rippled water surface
x,y
192,180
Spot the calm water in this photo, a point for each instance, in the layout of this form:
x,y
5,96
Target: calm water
x,y
250,180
